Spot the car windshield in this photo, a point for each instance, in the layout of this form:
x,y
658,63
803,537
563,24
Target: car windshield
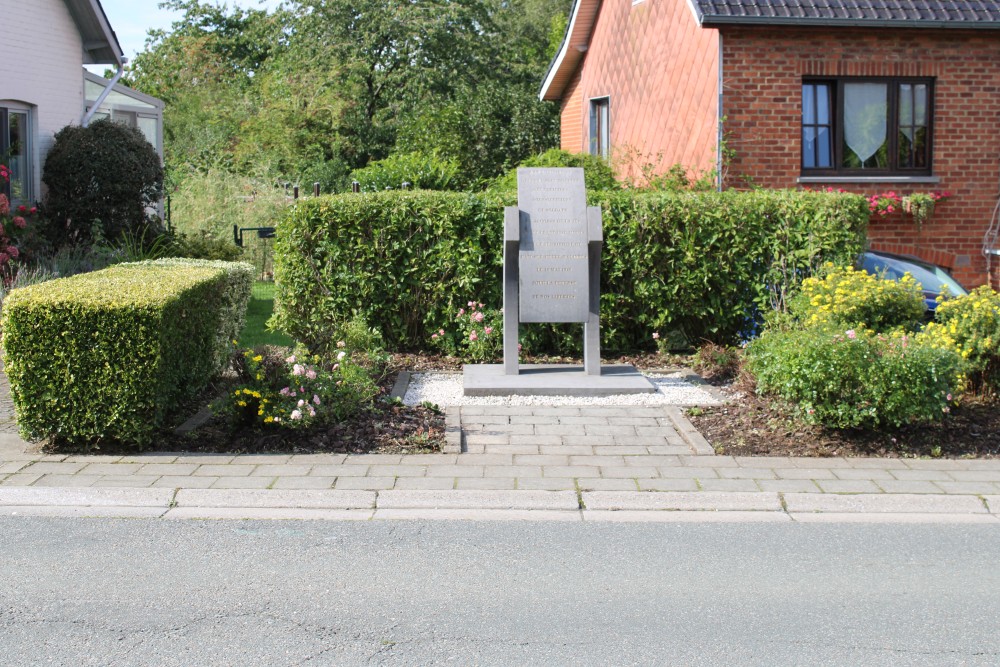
x,y
932,279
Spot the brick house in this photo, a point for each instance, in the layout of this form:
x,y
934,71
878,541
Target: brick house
x,y
860,95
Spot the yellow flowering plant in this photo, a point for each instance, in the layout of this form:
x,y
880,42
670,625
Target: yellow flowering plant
x,y
970,325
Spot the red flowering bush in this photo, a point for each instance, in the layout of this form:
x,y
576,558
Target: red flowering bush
x,y
13,222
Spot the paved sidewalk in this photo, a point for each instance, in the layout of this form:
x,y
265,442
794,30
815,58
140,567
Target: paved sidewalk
x,y
626,462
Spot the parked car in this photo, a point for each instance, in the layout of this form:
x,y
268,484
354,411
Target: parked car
x,y
934,280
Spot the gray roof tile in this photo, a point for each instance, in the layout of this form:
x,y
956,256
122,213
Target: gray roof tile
x,y
945,13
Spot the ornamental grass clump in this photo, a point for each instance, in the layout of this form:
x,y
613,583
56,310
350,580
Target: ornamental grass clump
x,y
850,298
970,325
857,378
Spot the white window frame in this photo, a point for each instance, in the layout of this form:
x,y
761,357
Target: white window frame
x,y
30,196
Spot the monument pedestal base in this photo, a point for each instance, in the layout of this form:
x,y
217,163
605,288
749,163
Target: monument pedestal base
x,y
553,380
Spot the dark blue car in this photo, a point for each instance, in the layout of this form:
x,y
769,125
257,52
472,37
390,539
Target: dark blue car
x,y
933,280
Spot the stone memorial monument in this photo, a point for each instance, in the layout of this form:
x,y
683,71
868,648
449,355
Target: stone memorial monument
x,y
552,273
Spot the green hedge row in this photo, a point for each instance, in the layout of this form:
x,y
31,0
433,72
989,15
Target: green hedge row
x,y
108,355
699,263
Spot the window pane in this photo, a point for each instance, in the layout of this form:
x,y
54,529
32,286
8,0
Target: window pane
x,y
17,138
808,104
148,128
906,104
823,104
920,104
824,148
809,147
865,121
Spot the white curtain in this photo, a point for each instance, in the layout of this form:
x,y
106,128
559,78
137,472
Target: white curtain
x,y
865,110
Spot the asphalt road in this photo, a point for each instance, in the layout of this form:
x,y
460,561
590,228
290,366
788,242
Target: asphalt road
x,y
155,592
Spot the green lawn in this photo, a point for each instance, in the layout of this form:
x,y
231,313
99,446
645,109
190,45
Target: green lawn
x,y
255,330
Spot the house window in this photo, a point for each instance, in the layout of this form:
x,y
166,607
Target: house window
x,y
15,152
867,126
600,126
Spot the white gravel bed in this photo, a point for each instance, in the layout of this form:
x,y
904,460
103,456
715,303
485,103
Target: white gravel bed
x,y
445,389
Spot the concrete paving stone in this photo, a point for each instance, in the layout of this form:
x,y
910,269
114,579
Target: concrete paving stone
x,y
426,483
983,488
137,481
480,439
592,460
825,462
682,450
947,464
149,458
642,441
620,450
848,486
588,441
430,459
303,483
604,412
12,466
540,460
538,440
881,464
561,430
546,484
667,485
73,512
810,473
687,472
922,474
929,518
66,480
728,485
243,483
669,500
492,419
644,411
764,461
21,479
184,482
510,449
93,458
475,515
110,469
19,456
54,467
476,409
510,410
455,471
513,471
789,485
651,431
895,486
223,471
588,420
975,475
317,459
746,473
86,497
473,449
559,411
339,471
601,484
53,457
566,450
636,421
167,469
884,502
657,460
483,460
993,502
484,484
629,472
611,431
571,471
373,459
721,461
478,499
204,459
262,459
268,514
271,498
277,470
684,516
535,420
400,471
861,473
512,429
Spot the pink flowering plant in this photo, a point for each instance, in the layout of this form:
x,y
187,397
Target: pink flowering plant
x,y
14,221
919,205
297,390
476,334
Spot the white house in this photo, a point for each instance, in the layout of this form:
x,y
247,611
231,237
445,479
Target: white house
x,y
44,45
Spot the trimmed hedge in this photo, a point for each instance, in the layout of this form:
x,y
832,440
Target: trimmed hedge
x,y
701,263
108,355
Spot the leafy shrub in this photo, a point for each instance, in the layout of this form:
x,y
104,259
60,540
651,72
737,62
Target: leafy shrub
x,y
970,325
103,176
846,297
702,263
211,203
597,173
298,391
477,335
422,171
717,361
108,355
856,378
203,245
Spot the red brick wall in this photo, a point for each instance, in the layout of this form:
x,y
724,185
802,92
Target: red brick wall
x,y
661,72
762,76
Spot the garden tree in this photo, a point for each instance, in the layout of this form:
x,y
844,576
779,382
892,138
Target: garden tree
x,y
102,179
